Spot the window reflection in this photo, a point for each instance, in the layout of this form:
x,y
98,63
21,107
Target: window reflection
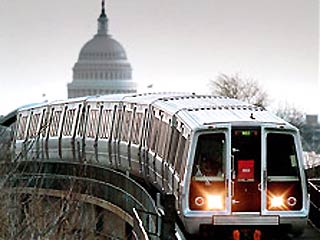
x,y
281,155
210,157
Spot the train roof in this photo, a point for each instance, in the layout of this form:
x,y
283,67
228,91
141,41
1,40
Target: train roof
x,y
198,110
195,110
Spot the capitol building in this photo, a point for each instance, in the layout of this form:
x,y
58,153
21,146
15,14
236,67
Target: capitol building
x,y
102,67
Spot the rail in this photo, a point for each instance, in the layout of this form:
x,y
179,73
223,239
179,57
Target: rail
x,y
314,190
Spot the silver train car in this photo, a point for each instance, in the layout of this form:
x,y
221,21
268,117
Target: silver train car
x,y
228,163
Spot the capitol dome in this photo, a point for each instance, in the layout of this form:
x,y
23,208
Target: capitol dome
x,y
102,47
102,66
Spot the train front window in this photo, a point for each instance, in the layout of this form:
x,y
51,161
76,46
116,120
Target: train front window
x,y
209,159
281,155
208,186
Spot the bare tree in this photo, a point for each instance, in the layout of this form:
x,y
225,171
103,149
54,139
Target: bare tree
x,y
291,114
244,89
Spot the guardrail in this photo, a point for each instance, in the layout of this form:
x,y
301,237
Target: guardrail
x,y
92,180
314,190
161,225
147,225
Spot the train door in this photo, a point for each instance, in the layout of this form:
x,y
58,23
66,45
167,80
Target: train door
x,y
245,169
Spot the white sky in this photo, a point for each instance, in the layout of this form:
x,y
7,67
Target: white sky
x,y
176,45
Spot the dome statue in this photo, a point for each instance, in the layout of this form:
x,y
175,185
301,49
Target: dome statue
x,y
102,67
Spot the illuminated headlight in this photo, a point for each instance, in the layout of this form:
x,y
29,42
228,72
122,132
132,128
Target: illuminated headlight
x,y
277,202
214,202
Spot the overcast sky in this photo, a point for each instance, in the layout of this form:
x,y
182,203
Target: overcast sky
x,y
176,45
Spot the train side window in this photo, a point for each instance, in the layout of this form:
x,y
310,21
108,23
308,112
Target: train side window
x,y
68,122
184,158
173,145
34,125
125,125
116,123
209,157
158,143
22,125
149,131
81,123
180,152
154,132
92,123
163,135
281,155
44,123
144,129
54,126
167,141
105,124
136,128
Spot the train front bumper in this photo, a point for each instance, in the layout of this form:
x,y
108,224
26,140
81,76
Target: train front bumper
x,y
293,224
245,220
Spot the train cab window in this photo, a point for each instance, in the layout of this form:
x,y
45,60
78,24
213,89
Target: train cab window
x,y
281,155
210,157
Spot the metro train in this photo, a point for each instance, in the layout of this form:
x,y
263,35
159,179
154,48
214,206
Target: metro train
x,y
229,164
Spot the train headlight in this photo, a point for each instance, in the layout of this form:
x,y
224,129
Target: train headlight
x,y
277,202
215,202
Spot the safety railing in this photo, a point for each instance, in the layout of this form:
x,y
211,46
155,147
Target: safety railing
x,y
314,190
92,180
147,225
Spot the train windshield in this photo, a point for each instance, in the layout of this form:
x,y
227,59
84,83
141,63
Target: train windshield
x,y
209,162
281,155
